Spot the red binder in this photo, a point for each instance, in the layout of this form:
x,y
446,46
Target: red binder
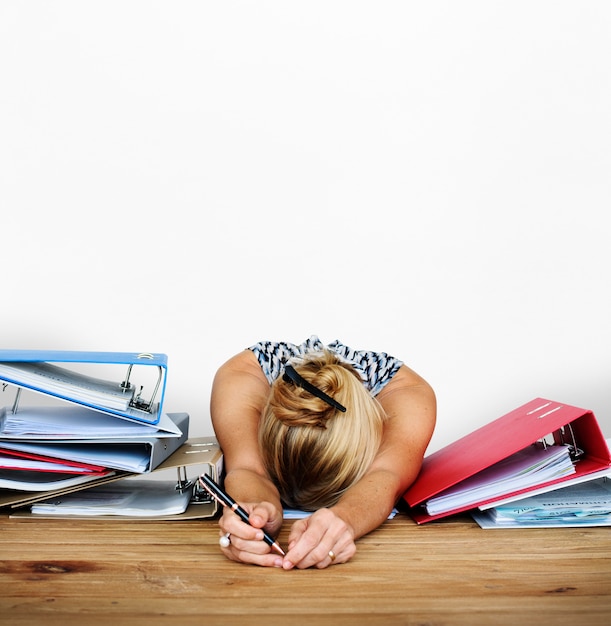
x,y
22,459
534,422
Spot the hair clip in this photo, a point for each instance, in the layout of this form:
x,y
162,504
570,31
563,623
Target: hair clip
x,y
291,375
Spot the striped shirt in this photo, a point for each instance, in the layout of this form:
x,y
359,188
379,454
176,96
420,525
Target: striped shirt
x,y
374,368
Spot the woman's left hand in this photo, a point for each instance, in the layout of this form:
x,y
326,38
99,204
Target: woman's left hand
x,y
320,540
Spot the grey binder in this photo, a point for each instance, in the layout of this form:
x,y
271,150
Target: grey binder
x,y
155,449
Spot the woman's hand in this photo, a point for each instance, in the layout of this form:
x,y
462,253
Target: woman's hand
x,y
245,541
320,540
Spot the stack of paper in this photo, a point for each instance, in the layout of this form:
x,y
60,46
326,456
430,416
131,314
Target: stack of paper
x,y
82,443
526,468
126,498
60,381
72,422
583,504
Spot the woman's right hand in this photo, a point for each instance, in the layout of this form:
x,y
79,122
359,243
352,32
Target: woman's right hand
x,y
246,543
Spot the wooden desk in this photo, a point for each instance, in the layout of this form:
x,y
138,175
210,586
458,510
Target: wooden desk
x,y
450,572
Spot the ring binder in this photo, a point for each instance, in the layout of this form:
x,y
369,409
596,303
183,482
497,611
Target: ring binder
x,y
200,451
47,372
530,425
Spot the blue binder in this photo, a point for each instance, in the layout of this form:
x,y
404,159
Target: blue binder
x,y
56,373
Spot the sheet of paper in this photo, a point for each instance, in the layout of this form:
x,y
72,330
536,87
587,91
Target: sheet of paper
x,y
42,481
74,422
18,461
127,498
588,499
529,467
64,382
130,457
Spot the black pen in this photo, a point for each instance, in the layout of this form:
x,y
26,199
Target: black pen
x,y
226,500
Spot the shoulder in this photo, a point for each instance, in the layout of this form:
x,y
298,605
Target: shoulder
x,y
411,406
407,386
242,364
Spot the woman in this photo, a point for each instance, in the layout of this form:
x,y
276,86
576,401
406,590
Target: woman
x,y
336,431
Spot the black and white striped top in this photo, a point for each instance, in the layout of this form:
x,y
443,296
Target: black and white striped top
x,y
375,368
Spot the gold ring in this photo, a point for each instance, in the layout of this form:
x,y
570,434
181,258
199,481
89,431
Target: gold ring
x,y
332,555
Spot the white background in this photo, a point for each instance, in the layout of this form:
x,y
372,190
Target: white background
x,y
431,179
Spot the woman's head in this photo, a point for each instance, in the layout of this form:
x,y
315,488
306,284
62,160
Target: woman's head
x,y
312,450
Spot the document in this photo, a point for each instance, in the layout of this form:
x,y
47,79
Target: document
x,y
20,480
584,504
13,459
130,457
301,514
63,382
529,467
127,498
75,422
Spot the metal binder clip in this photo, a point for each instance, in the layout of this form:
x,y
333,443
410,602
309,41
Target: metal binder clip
x,y
198,494
17,396
575,451
137,402
183,483
563,437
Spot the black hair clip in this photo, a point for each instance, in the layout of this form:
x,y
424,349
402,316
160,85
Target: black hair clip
x,y
291,375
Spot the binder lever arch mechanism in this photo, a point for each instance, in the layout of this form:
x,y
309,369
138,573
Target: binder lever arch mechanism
x,y
564,436
45,371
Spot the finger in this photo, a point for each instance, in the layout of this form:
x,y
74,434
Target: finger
x,y
251,554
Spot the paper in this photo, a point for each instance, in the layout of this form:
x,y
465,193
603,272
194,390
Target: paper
x,y
75,422
63,382
130,457
529,467
126,498
43,481
588,502
300,514
13,459
485,520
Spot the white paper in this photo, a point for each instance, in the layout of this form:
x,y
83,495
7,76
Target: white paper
x,y
67,383
42,481
127,498
587,499
22,463
75,422
131,457
529,467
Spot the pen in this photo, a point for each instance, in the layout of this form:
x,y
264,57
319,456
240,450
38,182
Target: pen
x,y
226,500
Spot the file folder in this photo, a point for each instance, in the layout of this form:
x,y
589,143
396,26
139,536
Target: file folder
x,y
201,453
135,455
66,422
76,377
154,450
28,461
539,423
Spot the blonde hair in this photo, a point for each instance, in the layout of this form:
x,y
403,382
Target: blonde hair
x,y
312,451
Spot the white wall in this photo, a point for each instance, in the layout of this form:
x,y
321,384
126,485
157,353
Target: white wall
x,y
425,178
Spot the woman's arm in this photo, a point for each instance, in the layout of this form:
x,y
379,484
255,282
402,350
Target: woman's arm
x,y
410,405
239,393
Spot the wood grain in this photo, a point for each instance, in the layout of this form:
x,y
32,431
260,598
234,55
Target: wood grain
x,y
450,572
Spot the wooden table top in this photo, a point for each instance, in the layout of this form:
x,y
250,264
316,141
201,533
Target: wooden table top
x,y
449,572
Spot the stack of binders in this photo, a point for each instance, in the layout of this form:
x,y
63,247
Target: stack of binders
x,y
97,425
